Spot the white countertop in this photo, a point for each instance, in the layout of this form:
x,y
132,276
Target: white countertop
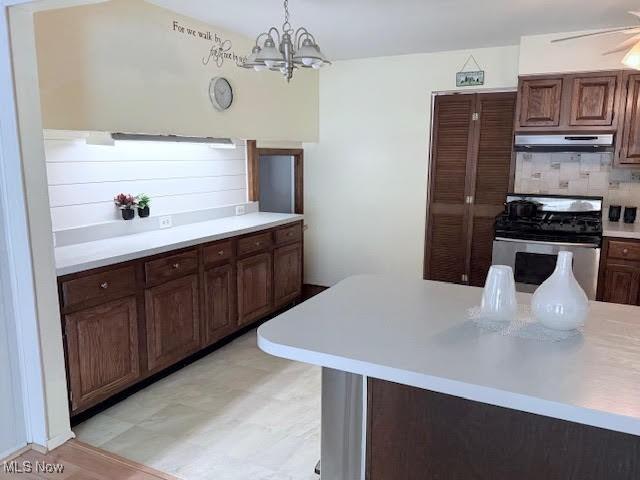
x,y
85,256
621,229
416,332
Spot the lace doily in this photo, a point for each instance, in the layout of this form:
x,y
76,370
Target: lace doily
x,y
522,326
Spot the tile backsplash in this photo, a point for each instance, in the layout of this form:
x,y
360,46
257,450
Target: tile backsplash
x,y
577,174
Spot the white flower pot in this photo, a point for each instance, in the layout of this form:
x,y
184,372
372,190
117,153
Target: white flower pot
x,y
560,303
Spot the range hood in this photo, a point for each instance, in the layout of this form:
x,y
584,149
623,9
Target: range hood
x,y
564,143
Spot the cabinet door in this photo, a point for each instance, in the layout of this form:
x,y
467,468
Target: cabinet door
x,y
492,174
219,293
621,284
102,351
255,289
445,246
593,100
630,147
287,273
540,102
172,321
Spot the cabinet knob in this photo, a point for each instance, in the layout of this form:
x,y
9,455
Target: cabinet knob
x,y
625,251
290,234
257,244
104,285
176,266
221,252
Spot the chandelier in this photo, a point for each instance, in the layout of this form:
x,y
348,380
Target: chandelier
x,y
285,51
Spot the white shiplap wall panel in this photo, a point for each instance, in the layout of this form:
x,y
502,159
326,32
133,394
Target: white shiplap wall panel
x,y
97,172
76,215
85,193
78,151
179,177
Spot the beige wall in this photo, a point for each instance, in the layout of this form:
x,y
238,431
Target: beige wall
x,y
120,66
539,55
366,180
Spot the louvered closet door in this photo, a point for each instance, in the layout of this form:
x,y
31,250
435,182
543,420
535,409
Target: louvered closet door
x,y
493,171
445,253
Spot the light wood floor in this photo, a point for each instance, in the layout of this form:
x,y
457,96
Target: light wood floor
x,y
82,462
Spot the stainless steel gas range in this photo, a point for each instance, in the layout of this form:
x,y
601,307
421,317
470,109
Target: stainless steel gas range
x,y
534,228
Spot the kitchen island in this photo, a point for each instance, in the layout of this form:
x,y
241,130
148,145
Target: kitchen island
x,y
413,389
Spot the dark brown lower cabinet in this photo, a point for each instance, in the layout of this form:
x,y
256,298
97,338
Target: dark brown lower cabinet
x,y
416,434
173,322
102,346
619,280
287,274
255,288
126,322
219,301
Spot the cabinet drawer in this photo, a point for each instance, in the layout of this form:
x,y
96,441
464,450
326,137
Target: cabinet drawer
x,y
218,252
624,250
292,233
254,243
174,266
92,288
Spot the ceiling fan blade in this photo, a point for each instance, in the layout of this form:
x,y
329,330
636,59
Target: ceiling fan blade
x,y
626,45
593,34
636,13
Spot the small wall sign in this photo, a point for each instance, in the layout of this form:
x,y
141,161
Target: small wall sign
x,y
468,78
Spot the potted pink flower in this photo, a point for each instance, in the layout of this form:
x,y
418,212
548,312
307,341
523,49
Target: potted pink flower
x,y
127,204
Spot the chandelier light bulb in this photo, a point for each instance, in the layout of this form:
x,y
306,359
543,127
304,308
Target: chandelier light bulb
x,y
632,58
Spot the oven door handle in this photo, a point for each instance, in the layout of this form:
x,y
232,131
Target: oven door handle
x,y
539,242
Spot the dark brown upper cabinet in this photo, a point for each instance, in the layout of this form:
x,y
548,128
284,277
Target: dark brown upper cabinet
x,y
582,102
593,100
629,141
540,102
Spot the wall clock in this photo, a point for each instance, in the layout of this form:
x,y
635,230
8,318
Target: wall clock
x,y
220,93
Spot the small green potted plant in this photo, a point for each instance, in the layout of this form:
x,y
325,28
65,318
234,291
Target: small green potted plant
x,y
127,204
143,201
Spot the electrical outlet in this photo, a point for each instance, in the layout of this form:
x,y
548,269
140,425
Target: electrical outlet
x,y
165,222
241,210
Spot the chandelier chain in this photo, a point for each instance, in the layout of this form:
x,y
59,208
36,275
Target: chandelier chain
x,y
286,26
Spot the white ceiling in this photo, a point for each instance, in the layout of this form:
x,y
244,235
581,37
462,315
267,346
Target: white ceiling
x,y
369,28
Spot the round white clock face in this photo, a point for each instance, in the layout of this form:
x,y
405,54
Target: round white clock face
x,y
220,93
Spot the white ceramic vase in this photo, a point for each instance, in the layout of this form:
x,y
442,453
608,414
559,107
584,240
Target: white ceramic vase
x,y
560,303
499,295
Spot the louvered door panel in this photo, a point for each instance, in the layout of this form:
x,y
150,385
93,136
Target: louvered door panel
x,y
447,248
452,128
481,249
492,177
495,147
445,251
470,159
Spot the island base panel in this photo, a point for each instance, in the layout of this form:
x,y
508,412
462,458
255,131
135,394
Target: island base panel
x,y
419,434
343,425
